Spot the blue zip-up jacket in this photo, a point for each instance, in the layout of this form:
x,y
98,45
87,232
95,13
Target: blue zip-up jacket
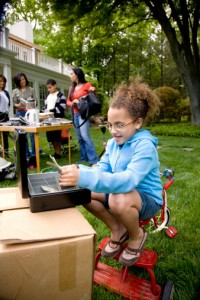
x,y
134,165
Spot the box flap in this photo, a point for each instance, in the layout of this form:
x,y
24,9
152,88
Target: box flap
x,y
10,198
22,226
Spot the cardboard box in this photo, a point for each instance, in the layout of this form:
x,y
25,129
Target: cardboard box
x,y
10,198
47,255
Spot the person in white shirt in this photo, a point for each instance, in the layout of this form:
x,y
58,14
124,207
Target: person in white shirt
x,y
56,103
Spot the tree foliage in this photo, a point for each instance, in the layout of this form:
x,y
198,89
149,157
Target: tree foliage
x,y
119,39
113,53
31,11
179,20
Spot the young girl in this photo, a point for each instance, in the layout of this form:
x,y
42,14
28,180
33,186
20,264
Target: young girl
x,y
55,103
125,184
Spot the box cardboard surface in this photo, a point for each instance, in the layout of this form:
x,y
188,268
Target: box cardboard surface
x,y
10,198
47,255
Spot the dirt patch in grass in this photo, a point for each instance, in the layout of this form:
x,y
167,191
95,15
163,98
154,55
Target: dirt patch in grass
x,y
188,149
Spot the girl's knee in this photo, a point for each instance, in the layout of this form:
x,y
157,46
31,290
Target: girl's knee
x,y
116,203
120,202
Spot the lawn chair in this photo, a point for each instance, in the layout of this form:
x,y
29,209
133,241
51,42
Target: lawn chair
x,y
64,142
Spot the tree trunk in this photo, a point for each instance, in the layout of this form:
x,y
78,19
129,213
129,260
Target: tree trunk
x,y
193,88
184,52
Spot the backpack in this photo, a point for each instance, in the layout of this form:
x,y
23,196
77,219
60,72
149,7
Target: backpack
x,y
7,170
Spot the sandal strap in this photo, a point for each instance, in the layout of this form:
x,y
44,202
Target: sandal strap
x,y
115,242
123,238
131,250
140,248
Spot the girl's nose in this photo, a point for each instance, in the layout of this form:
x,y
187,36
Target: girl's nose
x,y
113,130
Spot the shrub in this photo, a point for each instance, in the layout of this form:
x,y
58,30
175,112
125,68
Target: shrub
x,y
181,130
185,108
170,103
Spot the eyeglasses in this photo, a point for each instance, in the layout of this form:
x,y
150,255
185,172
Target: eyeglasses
x,y
118,126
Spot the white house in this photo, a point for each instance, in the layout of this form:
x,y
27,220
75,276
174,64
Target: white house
x,y
18,53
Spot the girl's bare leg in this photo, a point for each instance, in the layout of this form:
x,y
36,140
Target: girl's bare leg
x,y
97,208
125,208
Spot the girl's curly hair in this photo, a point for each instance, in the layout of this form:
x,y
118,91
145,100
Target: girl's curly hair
x,y
138,98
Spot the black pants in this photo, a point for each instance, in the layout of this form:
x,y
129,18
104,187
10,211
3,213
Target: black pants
x,y
4,118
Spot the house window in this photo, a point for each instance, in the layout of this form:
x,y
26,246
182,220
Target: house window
x,y
43,94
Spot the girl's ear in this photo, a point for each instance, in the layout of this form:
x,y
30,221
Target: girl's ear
x,y
139,123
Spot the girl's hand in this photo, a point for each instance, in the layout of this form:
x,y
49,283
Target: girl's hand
x,y
76,101
69,175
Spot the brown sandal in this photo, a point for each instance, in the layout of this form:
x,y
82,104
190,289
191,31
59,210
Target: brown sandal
x,y
136,253
117,249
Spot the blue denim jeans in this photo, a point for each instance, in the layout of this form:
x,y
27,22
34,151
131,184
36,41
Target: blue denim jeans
x,y
149,207
87,149
32,143
21,113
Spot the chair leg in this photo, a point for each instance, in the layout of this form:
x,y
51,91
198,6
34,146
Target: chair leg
x,y
124,273
97,258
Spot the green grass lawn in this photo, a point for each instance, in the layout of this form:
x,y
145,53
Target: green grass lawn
x,y
178,258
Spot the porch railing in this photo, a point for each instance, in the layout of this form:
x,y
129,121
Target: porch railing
x,y
33,56
23,53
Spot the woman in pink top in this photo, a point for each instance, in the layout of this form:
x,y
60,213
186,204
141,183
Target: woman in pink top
x,y
79,88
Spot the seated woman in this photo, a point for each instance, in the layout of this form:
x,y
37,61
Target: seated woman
x,y
56,103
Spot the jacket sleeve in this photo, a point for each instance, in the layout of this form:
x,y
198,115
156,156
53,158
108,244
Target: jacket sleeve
x,y
60,105
88,86
99,179
7,94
